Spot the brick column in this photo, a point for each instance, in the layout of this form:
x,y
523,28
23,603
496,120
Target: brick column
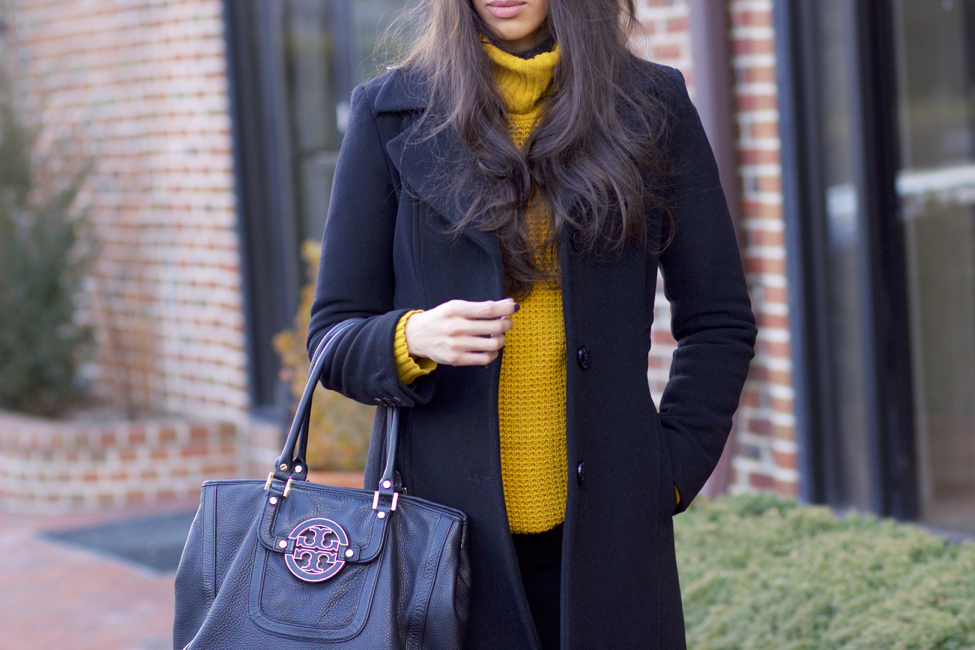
x,y
766,424
765,432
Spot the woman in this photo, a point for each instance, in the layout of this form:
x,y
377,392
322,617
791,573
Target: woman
x,y
500,208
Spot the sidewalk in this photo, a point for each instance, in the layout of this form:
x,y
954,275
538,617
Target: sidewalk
x,y
54,595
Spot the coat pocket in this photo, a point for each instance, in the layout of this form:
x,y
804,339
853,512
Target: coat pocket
x,y
667,484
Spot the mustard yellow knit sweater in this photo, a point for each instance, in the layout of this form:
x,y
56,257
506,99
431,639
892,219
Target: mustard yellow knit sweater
x,y
531,400
531,397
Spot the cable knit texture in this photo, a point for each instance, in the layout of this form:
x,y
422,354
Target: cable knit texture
x,y
531,402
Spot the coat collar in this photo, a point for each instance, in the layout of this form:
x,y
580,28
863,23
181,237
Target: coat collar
x,y
424,164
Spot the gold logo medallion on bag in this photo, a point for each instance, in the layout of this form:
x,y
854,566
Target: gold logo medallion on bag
x,y
319,550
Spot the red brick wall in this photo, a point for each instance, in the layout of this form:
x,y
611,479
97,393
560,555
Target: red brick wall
x,y
665,39
766,455
145,84
53,466
665,35
765,436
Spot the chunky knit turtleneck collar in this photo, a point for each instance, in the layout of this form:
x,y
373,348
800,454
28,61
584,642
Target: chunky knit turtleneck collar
x,y
522,81
546,45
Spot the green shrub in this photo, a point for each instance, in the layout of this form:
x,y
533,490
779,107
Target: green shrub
x,y
762,573
43,255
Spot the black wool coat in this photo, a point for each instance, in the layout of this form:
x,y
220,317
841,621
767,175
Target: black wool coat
x,y
385,251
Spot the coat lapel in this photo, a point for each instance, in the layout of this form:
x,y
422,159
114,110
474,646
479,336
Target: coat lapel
x,y
425,164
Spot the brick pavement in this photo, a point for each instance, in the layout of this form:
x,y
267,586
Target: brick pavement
x,y
53,595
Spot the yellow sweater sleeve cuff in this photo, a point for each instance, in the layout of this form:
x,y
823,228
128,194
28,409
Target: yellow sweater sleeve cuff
x,y
677,492
409,368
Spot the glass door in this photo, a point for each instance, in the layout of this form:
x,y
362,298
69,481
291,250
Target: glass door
x,y
935,63
292,66
329,46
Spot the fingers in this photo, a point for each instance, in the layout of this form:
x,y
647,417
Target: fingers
x,y
458,326
461,333
478,347
488,309
474,359
476,344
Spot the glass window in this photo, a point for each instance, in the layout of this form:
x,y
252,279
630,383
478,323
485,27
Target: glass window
x,y
936,111
293,65
329,48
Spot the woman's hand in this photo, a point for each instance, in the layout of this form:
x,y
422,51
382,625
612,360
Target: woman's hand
x,y
460,333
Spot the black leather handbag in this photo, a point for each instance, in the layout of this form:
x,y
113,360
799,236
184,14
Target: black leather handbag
x,y
285,564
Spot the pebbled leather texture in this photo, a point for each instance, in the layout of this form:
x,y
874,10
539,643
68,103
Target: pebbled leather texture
x,y
291,565
232,592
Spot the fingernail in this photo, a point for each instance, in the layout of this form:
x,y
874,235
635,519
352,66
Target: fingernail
x,y
517,307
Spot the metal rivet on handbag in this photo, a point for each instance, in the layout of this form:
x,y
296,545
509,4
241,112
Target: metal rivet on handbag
x,y
286,564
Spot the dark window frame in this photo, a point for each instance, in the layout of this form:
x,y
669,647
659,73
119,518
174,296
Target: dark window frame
x,y
267,184
270,267
885,337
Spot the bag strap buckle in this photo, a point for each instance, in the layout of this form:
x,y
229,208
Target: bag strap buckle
x,y
392,505
287,486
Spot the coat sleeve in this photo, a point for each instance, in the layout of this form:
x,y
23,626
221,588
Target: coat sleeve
x,y
356,276
711,315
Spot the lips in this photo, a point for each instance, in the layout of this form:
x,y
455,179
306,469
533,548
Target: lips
x,y
505,8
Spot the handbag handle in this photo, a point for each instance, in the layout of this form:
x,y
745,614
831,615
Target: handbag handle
x,y
297,439
286,470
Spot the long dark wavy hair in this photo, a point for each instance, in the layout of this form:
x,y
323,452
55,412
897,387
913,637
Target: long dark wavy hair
x,y
595,158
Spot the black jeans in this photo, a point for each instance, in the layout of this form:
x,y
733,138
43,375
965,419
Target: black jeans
x,y
540,559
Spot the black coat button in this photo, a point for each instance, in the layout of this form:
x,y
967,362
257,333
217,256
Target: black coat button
x,y
584,357
578,243
581,473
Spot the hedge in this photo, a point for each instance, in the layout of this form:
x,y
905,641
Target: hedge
x,y
760,573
